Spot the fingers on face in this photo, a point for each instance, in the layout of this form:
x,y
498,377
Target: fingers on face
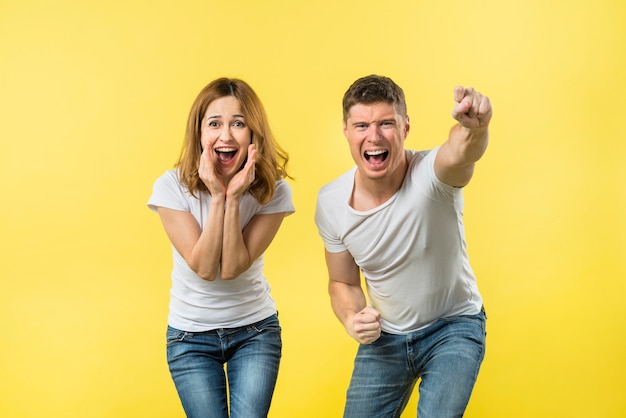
x,y
207,152
251,163
251,152
206,158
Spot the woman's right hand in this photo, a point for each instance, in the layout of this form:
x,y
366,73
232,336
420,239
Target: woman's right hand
x,y
207,173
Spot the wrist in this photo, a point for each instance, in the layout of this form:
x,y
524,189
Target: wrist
x,y
218,199
232,201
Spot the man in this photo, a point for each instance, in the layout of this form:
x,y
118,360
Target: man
x,y
397,218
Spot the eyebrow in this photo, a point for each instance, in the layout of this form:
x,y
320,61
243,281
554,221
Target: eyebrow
x,y
237,115
376,122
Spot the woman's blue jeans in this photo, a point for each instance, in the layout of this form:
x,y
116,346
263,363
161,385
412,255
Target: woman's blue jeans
x,y
251,354
446,356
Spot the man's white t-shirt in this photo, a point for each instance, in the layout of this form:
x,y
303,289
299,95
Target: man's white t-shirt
x,y
200,305
411,249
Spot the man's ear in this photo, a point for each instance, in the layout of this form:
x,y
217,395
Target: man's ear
x,y
407,127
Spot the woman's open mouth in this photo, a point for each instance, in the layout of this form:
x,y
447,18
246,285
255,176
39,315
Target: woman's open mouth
x,y
225,155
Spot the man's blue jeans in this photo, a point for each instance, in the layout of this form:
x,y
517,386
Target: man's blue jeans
x,y
252,356
446,356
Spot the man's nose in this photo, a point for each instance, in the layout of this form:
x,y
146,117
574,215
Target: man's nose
x,y
373,133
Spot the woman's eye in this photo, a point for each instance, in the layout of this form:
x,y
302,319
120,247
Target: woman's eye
x,y
239,124
213,124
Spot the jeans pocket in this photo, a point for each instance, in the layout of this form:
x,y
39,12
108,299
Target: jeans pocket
x,y
268,325
174,336
478,319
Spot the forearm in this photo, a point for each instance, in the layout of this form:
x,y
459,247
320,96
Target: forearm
x,y
235,255
346,300
456,159
467,145
207,253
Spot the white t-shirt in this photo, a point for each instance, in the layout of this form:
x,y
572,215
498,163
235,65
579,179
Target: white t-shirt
x,y
411,249
200,305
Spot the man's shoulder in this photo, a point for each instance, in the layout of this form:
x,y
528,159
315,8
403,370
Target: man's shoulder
x,y
415,156
415,159
341,185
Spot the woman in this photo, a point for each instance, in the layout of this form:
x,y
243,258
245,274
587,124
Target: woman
x,y
221,208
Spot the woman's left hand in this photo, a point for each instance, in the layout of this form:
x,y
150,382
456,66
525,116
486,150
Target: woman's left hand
x,y
244,178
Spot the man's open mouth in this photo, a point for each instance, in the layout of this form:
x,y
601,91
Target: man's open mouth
x,y
376,157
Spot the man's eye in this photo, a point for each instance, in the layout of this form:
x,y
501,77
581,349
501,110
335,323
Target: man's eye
x,y
360,126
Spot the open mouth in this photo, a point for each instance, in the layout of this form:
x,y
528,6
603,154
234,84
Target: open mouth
x,y
376,156
225,154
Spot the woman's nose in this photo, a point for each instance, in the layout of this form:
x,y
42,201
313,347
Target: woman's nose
x,y
225,134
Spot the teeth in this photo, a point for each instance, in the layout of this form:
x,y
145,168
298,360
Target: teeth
x,y
225,149
377,152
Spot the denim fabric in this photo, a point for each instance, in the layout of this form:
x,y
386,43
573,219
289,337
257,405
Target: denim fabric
x,y
251,355
446,356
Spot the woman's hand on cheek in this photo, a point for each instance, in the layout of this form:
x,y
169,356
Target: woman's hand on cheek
x,y
206,171
244,178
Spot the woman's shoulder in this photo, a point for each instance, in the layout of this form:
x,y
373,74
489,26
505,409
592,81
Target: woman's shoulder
x,y
170,184
283,186
170,179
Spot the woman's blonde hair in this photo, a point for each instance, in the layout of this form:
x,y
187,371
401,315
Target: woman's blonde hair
x,y
271,159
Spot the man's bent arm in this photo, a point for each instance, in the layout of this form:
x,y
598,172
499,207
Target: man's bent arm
x,y
468,139
348,299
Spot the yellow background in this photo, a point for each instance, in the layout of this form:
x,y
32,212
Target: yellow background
x,y
94,98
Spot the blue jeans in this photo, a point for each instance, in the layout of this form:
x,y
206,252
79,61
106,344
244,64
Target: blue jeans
x,y
251,354
446,356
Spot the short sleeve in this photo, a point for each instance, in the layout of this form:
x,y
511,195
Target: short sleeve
x,y
325,228
281,201
167,192
424,174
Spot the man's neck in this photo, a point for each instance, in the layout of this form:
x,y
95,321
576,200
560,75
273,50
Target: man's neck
x,y
368,193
